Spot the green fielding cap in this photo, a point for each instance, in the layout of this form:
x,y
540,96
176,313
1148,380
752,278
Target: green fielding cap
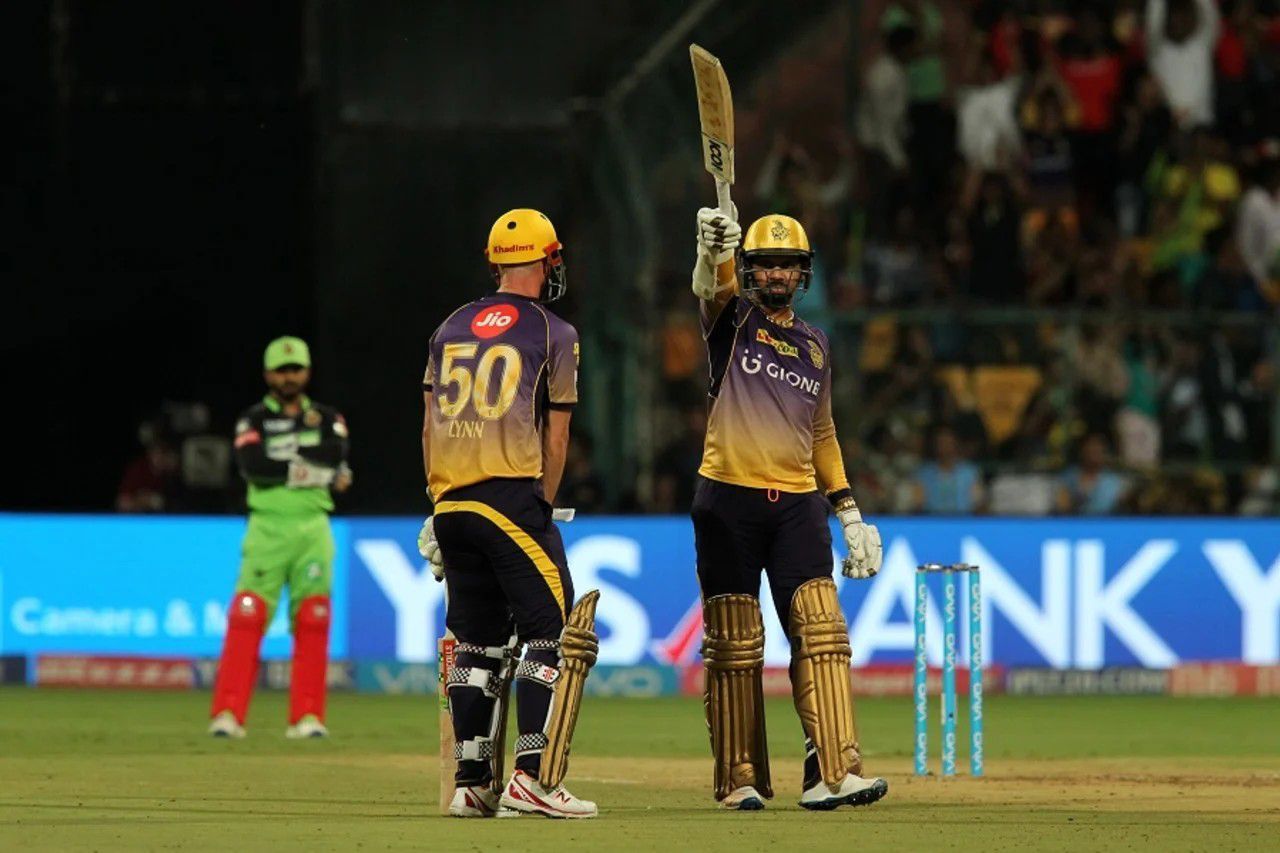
x,y
286,350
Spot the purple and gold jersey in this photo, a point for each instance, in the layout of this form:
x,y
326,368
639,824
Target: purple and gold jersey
x,y
495,366
770,401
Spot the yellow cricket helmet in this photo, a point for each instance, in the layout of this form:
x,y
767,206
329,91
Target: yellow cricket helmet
x,y
776,234
775,241
523,236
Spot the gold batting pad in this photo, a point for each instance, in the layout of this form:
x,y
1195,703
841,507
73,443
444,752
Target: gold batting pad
x,y
578,649
733,654
820,655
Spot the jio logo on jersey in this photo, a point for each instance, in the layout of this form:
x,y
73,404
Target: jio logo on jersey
x,y
492,322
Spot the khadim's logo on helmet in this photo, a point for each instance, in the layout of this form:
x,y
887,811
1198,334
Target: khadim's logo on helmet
x,y
526,236
522,236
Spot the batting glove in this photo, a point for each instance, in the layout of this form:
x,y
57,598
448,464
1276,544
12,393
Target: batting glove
x,y
718,238
429,548
718,234
863,542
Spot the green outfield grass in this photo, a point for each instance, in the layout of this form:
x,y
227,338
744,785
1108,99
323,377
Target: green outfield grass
x,y
90,770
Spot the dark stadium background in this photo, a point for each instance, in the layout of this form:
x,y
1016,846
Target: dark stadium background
x,y
193,179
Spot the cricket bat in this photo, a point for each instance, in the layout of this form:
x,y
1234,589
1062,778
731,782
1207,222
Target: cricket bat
x,y
445,649
715,112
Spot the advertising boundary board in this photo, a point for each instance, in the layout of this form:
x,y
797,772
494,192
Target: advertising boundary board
x,y
1067,594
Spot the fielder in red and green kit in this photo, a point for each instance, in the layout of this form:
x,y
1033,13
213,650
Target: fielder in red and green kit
x,y
292,451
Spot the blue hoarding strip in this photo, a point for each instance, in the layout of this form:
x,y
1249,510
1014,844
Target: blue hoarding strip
x,y
1062,593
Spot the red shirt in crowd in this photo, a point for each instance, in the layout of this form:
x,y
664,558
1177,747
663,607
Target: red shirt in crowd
x,y
1095,83
1230,57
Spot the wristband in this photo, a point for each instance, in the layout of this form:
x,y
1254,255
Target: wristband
x,y
840,496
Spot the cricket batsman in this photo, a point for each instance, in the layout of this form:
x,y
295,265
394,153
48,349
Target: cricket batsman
x,y
499,390
292,451
771,468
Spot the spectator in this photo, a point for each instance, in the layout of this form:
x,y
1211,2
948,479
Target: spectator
x,y
932,127
1090,487
1225,283
1181,36
993,217
1262,492
1103,374
1050,169
1258,230
1236,62
1090,65
1257,401
1145,127
151,481
950,484
988,135
882,121
1185,426
1052,254
896,269
1194,195
1137,424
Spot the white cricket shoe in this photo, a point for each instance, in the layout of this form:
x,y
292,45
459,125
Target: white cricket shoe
x,y
225,724
308,726
524,794
474,801
744,799
853,791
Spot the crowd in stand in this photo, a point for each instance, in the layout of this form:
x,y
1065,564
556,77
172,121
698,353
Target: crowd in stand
x,y
1110,171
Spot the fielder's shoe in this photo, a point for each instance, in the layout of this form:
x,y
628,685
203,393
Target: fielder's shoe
x,y
474,801
524,794
308,726
853,791
225,724
744,799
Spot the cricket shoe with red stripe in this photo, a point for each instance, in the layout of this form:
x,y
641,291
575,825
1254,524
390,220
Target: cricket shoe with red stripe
x,y
474,801
853,791
524,794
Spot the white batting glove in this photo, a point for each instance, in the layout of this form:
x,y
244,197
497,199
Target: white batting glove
x,y
429,548
718,238
718,234
563,514
863,542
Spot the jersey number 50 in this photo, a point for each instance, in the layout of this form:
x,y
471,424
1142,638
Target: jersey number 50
x,y
474,386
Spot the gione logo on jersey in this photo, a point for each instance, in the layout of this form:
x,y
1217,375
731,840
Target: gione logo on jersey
x,y
752,365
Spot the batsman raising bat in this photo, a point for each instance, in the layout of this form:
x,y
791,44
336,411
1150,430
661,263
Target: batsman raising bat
x,y
499,390
770,466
